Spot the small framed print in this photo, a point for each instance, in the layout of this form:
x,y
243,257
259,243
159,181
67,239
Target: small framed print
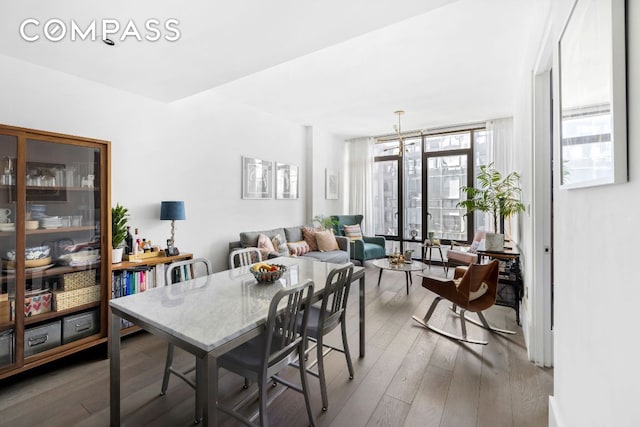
x,y
257,178
286,181
332,179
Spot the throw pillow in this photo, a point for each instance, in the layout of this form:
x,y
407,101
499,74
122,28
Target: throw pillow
x,y
353,232
309,236
474,247
280,244
298,248
265,246
326,241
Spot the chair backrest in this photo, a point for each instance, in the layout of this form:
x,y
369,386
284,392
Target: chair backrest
x,y
185,270
476,274
244,256
282,330
343,220
335,294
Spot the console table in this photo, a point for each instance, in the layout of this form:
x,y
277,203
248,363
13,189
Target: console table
x,y
510,286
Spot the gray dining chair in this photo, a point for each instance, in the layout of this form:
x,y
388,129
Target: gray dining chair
x,y
174,273
244,256
327,317
263,357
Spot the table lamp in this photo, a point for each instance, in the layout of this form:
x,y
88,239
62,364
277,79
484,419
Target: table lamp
x,y
172,210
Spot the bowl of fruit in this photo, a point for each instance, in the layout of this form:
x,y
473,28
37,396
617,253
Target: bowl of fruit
x,y
267,273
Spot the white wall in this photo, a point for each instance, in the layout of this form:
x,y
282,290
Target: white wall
x,y
328,153
190,150
597,373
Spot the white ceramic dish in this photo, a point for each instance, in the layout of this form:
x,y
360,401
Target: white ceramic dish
x,y
31,225
7,226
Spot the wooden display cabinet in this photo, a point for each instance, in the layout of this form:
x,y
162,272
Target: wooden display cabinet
x,y
55,211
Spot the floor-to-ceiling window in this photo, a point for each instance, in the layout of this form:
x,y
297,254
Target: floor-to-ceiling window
x,y
417,183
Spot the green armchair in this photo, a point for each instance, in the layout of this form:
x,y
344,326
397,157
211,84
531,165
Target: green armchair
x,y
370,247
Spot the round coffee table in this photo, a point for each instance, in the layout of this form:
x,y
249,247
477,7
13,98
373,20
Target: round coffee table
x,y
407,268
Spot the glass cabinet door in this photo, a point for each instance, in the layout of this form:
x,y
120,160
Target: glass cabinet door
x,y
62,222
8,155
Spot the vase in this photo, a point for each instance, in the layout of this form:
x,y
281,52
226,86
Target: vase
x,y
116,255
494,242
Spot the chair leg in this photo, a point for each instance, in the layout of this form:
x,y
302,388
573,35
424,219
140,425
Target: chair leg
x,y
321,377
424,321
262,390
167,366
463,325
345,345
305,385
483,323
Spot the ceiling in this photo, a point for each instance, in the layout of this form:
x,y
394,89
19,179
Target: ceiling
x,y
342,66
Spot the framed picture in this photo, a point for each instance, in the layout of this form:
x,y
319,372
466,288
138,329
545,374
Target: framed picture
x,y
286,181
593,110
332,179
257,178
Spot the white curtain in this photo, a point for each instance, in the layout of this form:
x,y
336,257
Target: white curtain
x,y
500,152
360,178
500,139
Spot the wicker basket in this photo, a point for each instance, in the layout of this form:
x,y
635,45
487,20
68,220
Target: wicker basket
x,y
79,280
64,300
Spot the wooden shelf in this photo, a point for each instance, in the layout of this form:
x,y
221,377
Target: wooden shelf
x,y
53,271
53,314
50,230
125,265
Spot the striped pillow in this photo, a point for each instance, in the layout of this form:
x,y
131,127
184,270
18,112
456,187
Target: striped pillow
x,y
353,232
298,248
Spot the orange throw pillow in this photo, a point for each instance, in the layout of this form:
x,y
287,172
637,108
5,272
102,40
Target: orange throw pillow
x,y
326,241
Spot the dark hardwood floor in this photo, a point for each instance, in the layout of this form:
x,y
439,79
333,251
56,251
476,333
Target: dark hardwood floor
x,y
409,377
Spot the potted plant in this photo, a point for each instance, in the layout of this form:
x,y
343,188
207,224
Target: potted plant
x,y
119,215
497,195
325,222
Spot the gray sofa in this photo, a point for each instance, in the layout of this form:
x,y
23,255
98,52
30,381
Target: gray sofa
x,y
294,234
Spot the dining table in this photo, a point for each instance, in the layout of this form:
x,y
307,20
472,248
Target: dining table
x,y
210,315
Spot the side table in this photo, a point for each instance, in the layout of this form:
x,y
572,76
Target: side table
x,y
428,248
510,286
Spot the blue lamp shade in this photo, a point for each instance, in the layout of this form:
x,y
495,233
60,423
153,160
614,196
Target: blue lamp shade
x,y
172,210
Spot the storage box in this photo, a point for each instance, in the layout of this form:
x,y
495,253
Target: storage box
x,y
80,326
78,280
37,304
63,300
41,338
6,348
142,255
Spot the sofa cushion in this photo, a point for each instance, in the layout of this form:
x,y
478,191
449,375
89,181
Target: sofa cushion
x,y
294,234
337,257
250,238
373,251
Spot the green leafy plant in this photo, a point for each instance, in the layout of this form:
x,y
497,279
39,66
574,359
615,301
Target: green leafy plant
x,y
119,215
496,194
325,222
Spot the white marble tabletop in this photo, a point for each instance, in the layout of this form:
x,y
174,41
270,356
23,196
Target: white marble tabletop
x,y
209,311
